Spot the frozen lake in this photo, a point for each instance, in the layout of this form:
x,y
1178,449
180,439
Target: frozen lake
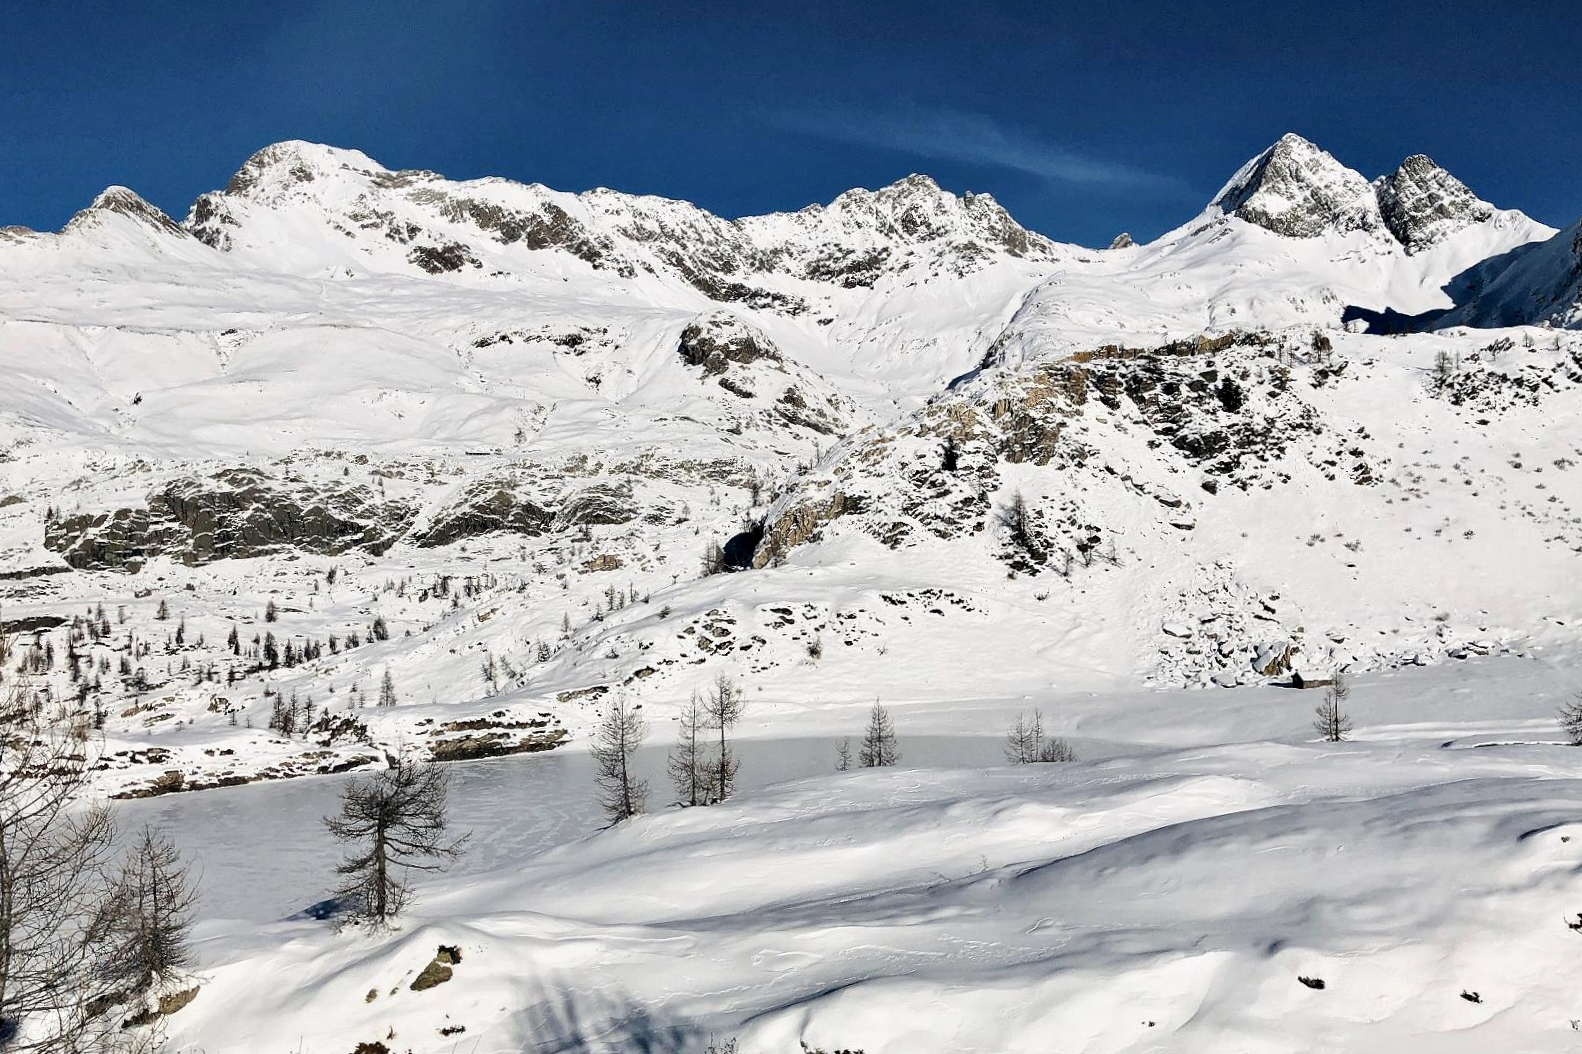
x,y
263,854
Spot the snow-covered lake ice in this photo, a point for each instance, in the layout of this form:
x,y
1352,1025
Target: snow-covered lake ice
x,y
263,853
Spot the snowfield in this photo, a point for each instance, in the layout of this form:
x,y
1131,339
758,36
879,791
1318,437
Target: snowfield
x,y
1166,895
352,461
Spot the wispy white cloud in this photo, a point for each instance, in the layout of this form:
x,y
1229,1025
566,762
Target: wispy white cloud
x,y
955,135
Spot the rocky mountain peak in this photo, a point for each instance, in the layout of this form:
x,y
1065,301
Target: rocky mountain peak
x,y
1422,203
120,201
917,210
1296,189
279,169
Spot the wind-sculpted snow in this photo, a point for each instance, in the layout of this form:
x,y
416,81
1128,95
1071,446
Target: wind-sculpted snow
x,y
1208,878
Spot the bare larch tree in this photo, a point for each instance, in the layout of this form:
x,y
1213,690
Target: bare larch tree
x,y
621,731
687,764
724,703
1570,715
53,898
396,822
149,922
1329,720
1018,520
1026,735
878,742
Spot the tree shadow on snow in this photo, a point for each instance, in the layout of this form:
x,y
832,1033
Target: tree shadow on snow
x,y
561,1016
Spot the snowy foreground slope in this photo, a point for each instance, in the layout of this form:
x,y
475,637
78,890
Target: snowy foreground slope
x,y
1168,894
352,460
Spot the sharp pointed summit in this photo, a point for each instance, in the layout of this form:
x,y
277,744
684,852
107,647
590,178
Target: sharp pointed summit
x,y
1422,204
1296,189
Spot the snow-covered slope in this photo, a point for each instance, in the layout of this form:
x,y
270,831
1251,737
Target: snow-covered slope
x,y
1535,284
1207,878
348,389
354,460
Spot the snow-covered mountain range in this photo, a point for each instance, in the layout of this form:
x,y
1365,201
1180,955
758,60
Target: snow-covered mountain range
x,y
507,422
351,461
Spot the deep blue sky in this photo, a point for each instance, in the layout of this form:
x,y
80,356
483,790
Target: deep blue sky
x,y
1082,118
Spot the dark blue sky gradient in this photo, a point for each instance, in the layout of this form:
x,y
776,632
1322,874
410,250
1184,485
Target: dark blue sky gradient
x,y
1082,118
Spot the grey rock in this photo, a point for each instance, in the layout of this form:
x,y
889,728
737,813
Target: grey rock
x,y
1422,204
233,514
1299,191
485,507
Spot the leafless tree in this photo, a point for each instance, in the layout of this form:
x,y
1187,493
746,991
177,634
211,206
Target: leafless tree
x,y
395,821
1018,521
687,764
1026,744
843,754
713,558
878,742
1056,750
622,730
724,703
149,921
1025,738
53,897
1571,719
387,691
1329,720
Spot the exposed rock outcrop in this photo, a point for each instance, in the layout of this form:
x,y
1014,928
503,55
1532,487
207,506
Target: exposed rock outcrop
x,y
718,340
1299,191
233,514
1422,204
486,506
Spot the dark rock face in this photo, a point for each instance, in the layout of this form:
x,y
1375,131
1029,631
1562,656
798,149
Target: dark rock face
x,y
849,268
280,156
739,549
1422,203
485,507
443,259
601,503
716,342
208,221
234,514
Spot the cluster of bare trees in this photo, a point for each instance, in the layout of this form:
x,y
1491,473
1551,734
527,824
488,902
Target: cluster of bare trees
x,y
878,747
1026,744
89,939
702,765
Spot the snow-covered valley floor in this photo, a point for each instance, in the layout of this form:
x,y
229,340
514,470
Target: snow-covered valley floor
x,y
1165,893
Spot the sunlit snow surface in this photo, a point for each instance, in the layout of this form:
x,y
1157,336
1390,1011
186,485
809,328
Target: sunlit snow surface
x,y
1165,895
